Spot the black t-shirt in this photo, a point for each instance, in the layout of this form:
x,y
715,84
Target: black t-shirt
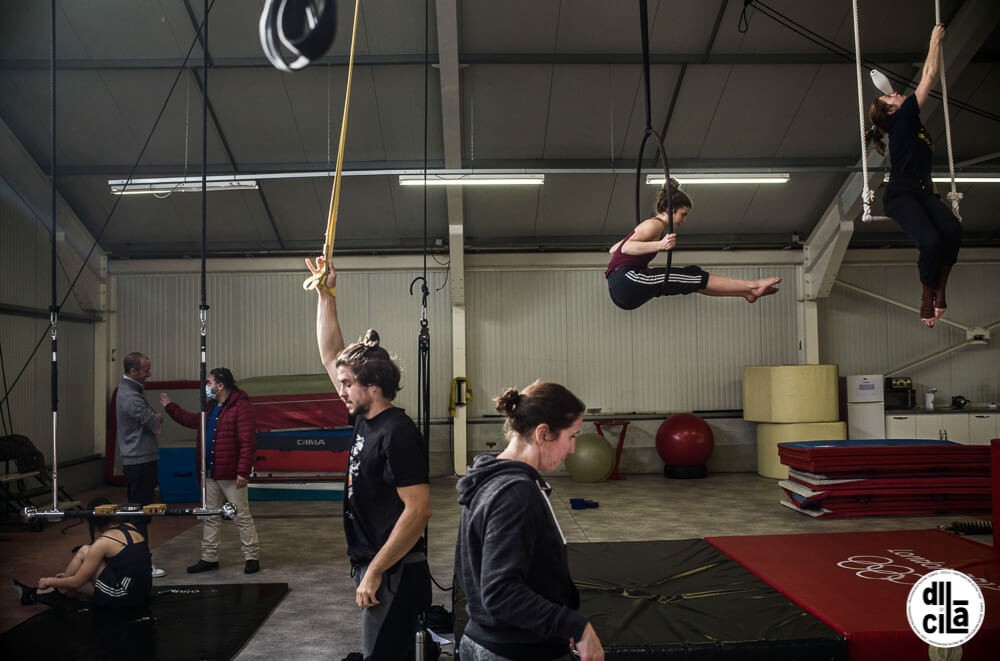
x,y
387,454
910,146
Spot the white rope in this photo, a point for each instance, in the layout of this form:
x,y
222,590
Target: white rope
x,y
954,195
867,194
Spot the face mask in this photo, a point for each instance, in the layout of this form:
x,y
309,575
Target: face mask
x,y
208,392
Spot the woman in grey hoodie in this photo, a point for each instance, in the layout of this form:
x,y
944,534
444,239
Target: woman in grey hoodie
x,y
510,558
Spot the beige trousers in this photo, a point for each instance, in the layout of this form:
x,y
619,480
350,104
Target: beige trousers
x,y
217,492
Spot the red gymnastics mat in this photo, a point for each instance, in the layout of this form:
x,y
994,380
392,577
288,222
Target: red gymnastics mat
x,y
884,456
858,582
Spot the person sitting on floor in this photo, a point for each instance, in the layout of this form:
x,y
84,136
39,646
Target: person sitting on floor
x,y
115,569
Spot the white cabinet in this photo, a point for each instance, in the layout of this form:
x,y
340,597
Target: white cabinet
x,y
936,426
983,427
930,427
955,427
901,426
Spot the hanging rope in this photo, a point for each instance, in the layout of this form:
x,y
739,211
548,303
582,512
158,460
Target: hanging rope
x,y
318,279
954,195
867,194
650,132
307,31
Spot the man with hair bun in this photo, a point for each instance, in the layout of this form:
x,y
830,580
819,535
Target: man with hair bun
x,y
510,558
632,283
387,498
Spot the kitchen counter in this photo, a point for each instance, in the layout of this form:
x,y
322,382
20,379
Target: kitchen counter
x,y
920,410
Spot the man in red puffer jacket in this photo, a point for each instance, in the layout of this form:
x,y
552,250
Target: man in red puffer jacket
x,y
231,442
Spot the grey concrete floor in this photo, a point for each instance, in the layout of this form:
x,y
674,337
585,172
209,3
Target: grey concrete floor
x,y
302,544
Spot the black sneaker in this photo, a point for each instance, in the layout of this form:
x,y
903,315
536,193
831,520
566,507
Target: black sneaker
x,y
202,565
53,599
251,567
23,591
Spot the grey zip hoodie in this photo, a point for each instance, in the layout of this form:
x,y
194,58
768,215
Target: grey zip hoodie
x,y
511,562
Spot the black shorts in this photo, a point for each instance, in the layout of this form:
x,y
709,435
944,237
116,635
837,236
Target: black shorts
x,y
631,287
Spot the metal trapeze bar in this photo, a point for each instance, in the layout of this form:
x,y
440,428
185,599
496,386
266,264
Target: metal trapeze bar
x,y
227,512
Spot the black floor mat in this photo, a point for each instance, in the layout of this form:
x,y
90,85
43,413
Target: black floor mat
x,y
182,622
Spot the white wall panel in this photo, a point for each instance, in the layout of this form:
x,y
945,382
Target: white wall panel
x,y
31,398
865,335
25,282
263,324
680,353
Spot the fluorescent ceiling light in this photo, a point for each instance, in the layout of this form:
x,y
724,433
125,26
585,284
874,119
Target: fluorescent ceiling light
x,y
723,178
163,186
472,179
986,178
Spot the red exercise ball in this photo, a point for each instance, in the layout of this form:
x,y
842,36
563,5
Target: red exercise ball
x,y
684,442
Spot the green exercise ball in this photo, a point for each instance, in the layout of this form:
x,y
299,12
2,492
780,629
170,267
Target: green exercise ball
x,y
593,459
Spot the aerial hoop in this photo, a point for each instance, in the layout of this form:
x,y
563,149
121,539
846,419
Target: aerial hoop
x,y
317,281
651,132
305,30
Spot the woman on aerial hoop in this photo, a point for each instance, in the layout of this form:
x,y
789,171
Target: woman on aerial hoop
x,y
909,196
632,283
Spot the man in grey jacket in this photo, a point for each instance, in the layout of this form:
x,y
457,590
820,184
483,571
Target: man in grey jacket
x,y
138,427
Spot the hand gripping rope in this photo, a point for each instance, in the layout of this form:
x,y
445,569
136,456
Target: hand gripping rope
x,y
317,281
885,86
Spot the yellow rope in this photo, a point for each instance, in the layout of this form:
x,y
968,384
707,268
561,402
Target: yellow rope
x,y
317,281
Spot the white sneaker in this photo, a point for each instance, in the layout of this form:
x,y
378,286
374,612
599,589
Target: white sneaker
x,y
158,573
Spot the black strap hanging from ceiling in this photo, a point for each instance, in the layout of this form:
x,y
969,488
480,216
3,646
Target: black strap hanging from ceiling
x,y
650,132
424,335
203,303
54,305
306,28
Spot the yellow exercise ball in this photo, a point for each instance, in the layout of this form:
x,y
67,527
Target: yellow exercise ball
x,y
593,459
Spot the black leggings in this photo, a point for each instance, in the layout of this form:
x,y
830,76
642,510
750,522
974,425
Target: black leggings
x,y
631,287
934,229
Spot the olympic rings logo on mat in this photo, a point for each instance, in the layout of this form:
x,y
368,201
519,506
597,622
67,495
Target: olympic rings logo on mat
x,y
878,568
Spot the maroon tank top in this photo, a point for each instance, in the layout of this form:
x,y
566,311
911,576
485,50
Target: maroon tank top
x,y
621,260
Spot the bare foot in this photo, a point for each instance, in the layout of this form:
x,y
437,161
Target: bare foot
x,y
938,313
928,321
764,287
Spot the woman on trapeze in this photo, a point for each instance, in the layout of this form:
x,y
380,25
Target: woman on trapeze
x,y
632,283
909,196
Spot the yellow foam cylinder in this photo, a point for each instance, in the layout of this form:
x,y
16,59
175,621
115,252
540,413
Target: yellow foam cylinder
x,y
769,435
790,393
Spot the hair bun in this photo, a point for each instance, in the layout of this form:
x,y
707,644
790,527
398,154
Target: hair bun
x,y
370,339
674,184
508,401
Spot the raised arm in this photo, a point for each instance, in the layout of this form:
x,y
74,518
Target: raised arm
x,y
329,337
932,66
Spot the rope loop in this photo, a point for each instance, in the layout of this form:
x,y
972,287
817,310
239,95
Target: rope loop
x,y
955,198
317,281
